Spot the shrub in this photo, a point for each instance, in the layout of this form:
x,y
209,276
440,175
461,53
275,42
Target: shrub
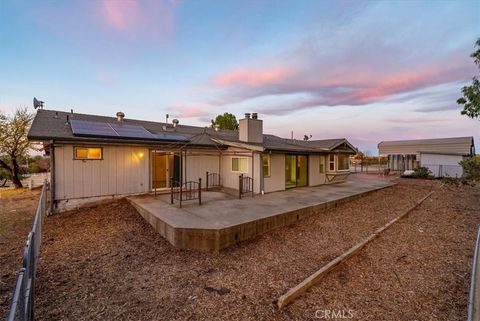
x,y
421,172
471,169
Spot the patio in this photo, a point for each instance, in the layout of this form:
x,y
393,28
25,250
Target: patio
x,y
223,220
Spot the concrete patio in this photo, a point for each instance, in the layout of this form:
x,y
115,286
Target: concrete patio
x,y
223,220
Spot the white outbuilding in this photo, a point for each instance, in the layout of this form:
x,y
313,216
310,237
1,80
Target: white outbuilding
x,y
440,155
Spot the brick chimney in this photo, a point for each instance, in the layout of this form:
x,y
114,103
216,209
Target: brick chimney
x,y
251,129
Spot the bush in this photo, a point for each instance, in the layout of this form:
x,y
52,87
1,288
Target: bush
x,y
421,172
471,169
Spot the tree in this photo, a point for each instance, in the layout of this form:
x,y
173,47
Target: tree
x,y
471,94
226,121
14,144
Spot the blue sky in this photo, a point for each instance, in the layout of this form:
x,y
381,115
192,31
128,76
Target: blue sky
x,y
367,71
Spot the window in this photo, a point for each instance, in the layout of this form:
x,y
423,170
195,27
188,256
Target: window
x,y
343,162
332,162
239,164
88,153
266,165
321,168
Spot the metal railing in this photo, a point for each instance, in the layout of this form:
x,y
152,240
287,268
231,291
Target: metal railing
x,y
474,297
212,180
245,185
187,191
23,300
439,170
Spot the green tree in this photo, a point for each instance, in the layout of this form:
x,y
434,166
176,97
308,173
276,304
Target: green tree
x,y
226,121
14,144
471,94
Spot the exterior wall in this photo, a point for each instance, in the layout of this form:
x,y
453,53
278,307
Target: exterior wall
x,y
440,164
314,175
334,179
123,170
229,179
199,162
276,181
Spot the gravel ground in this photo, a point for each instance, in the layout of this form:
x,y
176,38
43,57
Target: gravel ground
x,y
107,263
17,208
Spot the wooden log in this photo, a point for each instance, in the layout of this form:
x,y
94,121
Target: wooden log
x,y
313,279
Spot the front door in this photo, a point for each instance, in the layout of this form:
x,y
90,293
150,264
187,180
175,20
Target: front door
x,y
164,166
296,170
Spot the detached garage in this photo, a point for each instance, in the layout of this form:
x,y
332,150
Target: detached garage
x,y
440,155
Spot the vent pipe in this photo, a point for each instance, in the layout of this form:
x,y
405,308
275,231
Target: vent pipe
x,y
120,116
254,116
247,115
175,122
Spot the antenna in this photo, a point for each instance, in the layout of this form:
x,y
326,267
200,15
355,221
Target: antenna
x,y
37,103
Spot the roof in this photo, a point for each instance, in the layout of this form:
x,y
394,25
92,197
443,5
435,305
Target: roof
x,y
451,145
55,125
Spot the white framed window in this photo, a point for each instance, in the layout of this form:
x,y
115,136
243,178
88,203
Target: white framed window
x,y
239,164
343,162
88,153
331,162
266,165
321,167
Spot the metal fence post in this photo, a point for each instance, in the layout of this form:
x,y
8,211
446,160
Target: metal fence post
x,y
171,190
200,190
240,186
206,186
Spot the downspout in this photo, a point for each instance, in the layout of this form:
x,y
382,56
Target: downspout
x,y
52,177
262,177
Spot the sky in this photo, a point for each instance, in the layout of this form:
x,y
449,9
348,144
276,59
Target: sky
x,y
366,71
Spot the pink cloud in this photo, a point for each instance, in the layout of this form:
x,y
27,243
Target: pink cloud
x,y
188,111
252,77
140,19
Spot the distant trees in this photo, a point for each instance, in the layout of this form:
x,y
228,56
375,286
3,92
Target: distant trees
x,y
471,94
226,121
14,144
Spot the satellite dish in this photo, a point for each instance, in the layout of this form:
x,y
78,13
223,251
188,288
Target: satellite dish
x,y
37,103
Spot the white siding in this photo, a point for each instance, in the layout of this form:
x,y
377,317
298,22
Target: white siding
x,y
197,164
314,175
123,170
276,181
440,164
230,178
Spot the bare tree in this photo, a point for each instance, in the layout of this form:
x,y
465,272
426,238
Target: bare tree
x,y
14,144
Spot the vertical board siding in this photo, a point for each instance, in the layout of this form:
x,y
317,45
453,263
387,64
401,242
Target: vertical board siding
x,y
121,171
314,175
276,181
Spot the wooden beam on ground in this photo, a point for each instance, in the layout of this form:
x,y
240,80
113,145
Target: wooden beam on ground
x,y
313,279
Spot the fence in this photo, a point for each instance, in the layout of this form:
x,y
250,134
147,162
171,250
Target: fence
x,y
474,297
245,185
187,191
213,180
439,170
23,301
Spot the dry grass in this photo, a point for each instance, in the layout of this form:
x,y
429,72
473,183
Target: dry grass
x,y
106,263
17,208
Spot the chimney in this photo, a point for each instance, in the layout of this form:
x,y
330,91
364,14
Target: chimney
x,y
251,129
120,116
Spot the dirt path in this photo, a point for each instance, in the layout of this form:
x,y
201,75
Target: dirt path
x,y
106,263
17,209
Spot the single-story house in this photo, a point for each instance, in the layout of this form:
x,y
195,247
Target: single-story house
x,y
440,155
95,157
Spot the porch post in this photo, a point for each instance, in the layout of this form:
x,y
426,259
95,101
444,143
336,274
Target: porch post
x,y
206,187
171,190
199,191
240,183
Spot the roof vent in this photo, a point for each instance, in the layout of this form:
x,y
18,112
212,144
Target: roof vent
x,y
247,115
120,116
175,122
254,116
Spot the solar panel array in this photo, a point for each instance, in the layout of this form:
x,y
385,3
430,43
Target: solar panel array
x,y
120,130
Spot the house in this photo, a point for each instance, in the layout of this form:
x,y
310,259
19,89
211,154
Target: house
x,y
96,157
440,155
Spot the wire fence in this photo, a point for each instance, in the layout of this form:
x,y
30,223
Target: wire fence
x,y
23,300
439,170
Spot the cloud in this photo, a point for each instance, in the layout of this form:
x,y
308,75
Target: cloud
x,y
139,19
252,77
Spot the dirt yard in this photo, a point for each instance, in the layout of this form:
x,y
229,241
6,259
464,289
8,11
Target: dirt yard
x,y
17,209
106,263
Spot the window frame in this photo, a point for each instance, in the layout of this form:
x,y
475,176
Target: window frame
x,y
87,147
330,162
348,163
240,171
269,165
321,164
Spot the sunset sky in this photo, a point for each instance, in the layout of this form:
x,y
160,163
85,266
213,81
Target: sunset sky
x,y
366,71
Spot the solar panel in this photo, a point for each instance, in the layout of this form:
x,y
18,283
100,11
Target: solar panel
x,y
90,128
122,131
